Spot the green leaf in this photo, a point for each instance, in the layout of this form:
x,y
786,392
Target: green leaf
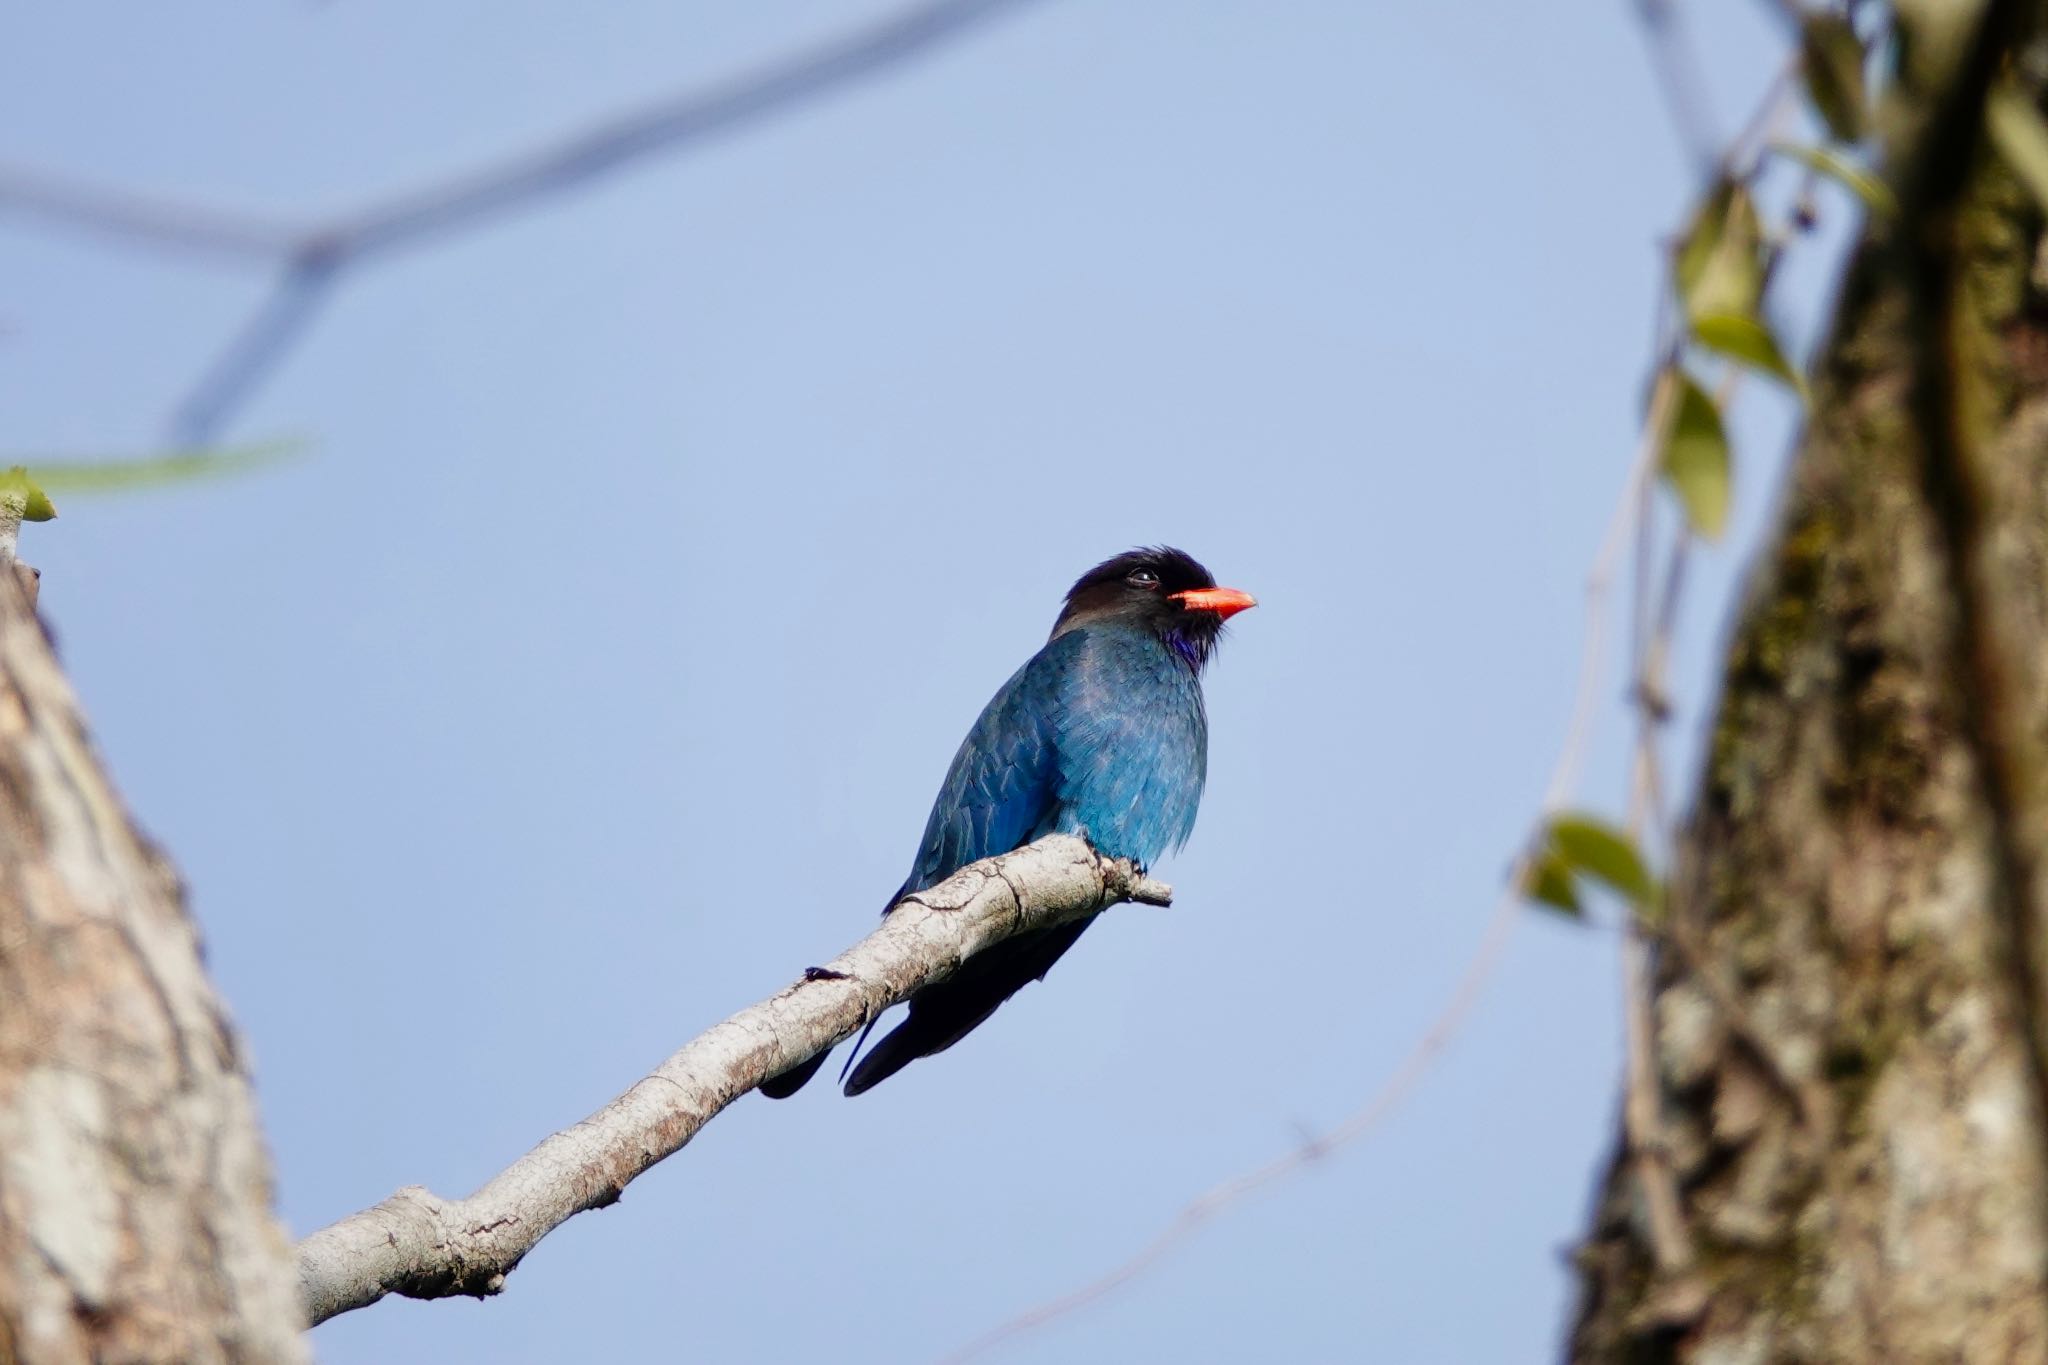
x,y
179,466
2021,138
1833,57
1604,853
1720,263
35,503
1832,164
1549,882
1696,462
1746,341
1703,234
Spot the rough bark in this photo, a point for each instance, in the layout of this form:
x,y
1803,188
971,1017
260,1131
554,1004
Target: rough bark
x,y
1848,1006
419,1244
135,1197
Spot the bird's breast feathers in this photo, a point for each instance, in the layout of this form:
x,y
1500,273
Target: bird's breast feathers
x,y
1132,745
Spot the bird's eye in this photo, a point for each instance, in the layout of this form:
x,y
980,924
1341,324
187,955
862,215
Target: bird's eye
x,y
1142,578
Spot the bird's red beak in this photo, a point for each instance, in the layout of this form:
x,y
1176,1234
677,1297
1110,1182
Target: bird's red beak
x,y
1225,602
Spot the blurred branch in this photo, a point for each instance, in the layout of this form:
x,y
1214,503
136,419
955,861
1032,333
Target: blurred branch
x,y
313,258
1629,521
1216,1199
1677,1296
1642,1119
1682,82
257,348
420,1245
1471,984
143,221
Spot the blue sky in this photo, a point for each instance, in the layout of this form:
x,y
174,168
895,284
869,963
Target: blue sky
x,y
594,674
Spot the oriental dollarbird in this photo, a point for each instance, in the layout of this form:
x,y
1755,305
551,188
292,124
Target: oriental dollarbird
x,y
1102,734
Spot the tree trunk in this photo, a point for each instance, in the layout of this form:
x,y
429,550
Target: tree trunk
x,y
135,1219
1849,1018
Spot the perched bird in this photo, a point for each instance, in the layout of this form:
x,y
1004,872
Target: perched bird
x,y
1102,734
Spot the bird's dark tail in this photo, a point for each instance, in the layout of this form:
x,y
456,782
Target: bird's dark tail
x,y
904,1045
942,1014
787,1083
782,1086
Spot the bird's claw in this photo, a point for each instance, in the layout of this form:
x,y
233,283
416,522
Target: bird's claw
x,y
825,974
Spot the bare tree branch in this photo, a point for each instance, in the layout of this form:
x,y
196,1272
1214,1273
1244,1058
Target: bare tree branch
x,y
313,258
421,1245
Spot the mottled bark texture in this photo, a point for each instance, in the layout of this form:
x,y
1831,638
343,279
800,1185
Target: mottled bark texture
x,y
1848,1003
135,1218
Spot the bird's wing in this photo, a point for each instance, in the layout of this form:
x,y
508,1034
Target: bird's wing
x,y
999,794
1001,791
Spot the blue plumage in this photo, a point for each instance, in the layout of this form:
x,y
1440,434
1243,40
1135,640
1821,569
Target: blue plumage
x,y
1101,734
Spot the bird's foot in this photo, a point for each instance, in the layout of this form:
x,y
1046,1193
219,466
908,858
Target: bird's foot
x,y
825,974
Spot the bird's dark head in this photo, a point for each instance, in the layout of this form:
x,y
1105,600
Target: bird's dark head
x,y
1162,589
